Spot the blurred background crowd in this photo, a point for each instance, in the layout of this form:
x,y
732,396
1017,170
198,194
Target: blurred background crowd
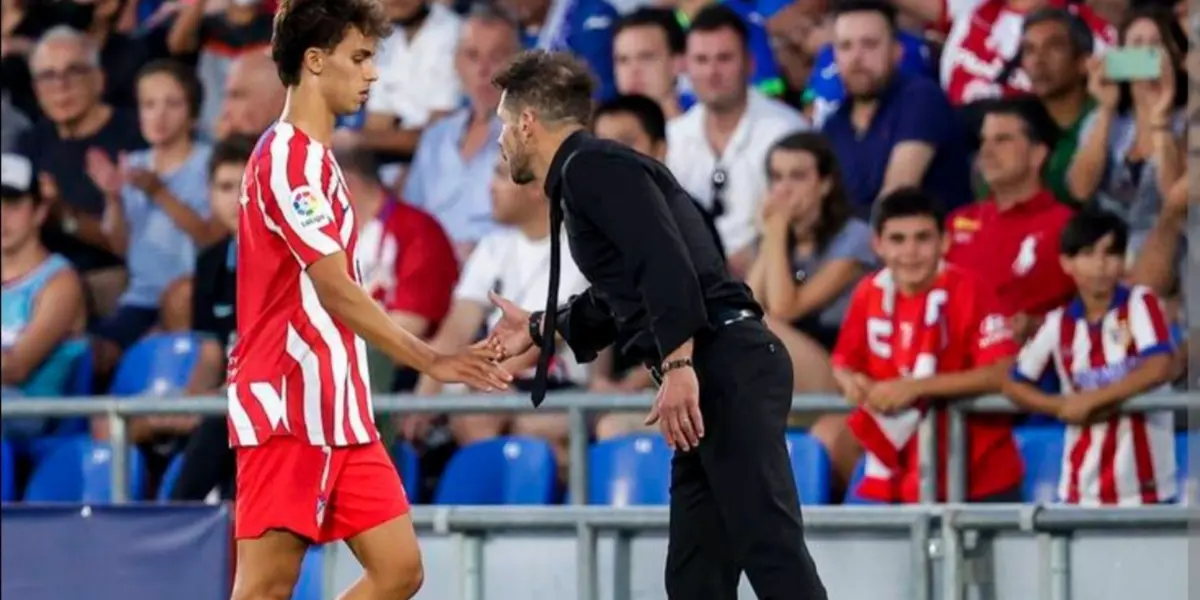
x,y
126,125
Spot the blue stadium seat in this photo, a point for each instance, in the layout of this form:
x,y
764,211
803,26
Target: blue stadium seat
x,y
83,376
505,470
170,476
630,470
79,470
1189,482
312,576
810,467
409,466
7,484
852,497
1042,450
156,365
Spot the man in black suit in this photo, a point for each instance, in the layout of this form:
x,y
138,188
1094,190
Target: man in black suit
x,y
661,292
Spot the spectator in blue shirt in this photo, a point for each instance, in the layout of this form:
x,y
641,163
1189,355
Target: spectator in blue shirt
x,y
895,130
582,26
825,90
156,207
766,77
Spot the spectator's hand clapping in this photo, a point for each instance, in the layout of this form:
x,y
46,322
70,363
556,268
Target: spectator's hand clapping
x,y
1104,90
104,173
142,179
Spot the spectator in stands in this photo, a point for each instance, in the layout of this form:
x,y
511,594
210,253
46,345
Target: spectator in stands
x,y
583,27
812,253
12,124
1110,344
1055,49
219,37
418,80
894,130
1132,148
648,56
717,148
254,97
451,172
43,313
208,461
121,54
513,262
1010,239
762,73
157,210
68,81
919,331
406,261
1160,261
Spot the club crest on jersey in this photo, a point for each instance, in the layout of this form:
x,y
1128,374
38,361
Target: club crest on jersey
x,y
312,212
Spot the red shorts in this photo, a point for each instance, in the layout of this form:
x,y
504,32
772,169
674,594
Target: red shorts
x,y
320,493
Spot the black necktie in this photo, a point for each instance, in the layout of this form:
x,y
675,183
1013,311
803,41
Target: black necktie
x,y
550,319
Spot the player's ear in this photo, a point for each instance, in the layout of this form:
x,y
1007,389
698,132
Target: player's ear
x,y
314,60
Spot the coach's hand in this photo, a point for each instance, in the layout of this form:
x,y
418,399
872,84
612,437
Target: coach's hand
x,y
677,410
475,366
512,330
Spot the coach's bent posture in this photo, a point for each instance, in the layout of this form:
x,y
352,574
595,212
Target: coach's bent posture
x,y
661,290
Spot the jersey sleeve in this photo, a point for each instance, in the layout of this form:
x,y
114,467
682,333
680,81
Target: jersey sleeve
x,y
1148,323
1034,363
297,203
992,336
850,352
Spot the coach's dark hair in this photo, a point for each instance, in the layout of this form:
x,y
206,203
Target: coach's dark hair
x,y
358,161
716,17
304,24
1088,227
555,84
184,76
233,150
907,202
1037,124
835,205
883,9
647,112
662,18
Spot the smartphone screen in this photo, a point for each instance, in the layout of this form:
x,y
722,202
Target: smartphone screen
x,y
1132,64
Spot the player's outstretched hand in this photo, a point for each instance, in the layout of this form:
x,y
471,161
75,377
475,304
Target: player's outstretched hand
x,y
512,330
475,366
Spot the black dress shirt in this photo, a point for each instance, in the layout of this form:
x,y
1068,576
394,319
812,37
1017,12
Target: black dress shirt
x,y
214,299
658,278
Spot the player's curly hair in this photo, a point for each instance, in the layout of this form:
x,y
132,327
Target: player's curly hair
x,y
303,24
556,85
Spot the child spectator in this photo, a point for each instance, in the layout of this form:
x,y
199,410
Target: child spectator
x,y
1109,344
922,330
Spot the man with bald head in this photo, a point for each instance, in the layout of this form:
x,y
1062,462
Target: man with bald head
x,y
67,79
254,97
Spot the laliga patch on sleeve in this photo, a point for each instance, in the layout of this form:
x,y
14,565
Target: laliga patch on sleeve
x,y
310,209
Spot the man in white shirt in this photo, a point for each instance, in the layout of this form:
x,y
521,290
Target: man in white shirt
x,y
717,149
515,262
417,82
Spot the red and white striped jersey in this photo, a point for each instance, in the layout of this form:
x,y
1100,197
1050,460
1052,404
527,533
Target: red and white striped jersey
x,y
1126,459
295,370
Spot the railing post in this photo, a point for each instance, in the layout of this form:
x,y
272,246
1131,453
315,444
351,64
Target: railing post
x,y
927,453
117,440
952,555
622,580
578,455
956,449
1060,567
587,583
922,554
471,584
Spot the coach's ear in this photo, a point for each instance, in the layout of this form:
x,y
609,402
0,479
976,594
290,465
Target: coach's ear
x,y
314,60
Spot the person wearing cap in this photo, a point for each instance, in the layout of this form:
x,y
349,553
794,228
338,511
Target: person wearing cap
x,y
44,314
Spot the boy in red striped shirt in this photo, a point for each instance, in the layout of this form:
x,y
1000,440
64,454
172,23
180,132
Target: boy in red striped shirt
x,y
1110,344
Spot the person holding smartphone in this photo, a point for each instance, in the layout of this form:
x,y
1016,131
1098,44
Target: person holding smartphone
x,y
1130,149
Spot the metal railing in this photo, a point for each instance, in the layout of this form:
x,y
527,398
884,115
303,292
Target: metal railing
x,y
950,520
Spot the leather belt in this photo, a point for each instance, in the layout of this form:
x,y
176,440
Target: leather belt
x,y
723,319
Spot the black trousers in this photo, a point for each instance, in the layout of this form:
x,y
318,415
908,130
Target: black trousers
x,y
208,462
734,505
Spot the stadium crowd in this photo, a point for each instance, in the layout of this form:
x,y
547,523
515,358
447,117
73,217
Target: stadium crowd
x,y
841,151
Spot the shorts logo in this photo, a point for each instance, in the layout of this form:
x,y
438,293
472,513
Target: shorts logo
x,y
320,509
311,211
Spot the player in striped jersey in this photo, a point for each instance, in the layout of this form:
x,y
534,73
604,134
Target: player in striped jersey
x,y
1110,344
310,466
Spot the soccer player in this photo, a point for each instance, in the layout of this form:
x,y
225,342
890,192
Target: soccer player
x,y
310,466
1109,344
922,330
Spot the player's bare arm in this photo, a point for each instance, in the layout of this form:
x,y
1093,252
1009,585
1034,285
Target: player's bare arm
x,y
346,301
